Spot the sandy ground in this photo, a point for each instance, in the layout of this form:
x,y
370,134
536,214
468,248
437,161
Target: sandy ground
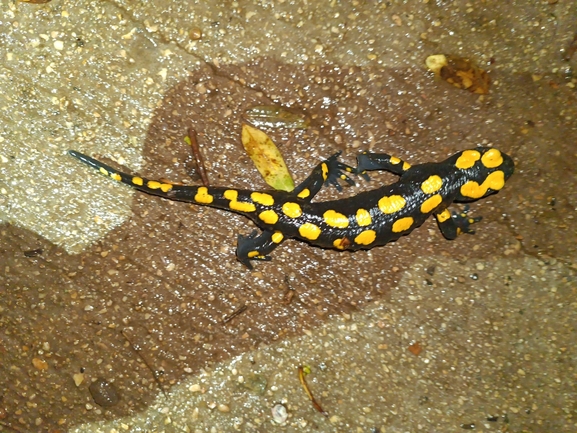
x,y
118,310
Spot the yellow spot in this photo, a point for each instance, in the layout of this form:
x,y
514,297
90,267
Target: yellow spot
x,y
473,189
253,254
165,187
432,184
366,237
137,181
230,194
406,166
268,217
492,158
304,193
443,216
310,231
363,217
339,244
292,210
242,206
495,181
277,237
467,159
402,224
153,184
325,171
239,206
335,219
103,171
262,198
394,160
431,203
391,204
202,196
116,177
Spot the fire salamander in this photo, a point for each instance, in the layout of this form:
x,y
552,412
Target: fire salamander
x,y
363,221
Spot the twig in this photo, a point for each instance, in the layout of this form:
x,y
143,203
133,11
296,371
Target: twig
x,y
198,159
33,253
235,313
309,393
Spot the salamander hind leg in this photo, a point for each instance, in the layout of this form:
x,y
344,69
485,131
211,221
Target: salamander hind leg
x,y
327,172
452,224
253,247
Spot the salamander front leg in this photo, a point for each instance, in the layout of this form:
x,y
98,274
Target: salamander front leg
x,y
253,247
327,172
453,224
380,161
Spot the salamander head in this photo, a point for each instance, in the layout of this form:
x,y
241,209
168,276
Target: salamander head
x,y
485,171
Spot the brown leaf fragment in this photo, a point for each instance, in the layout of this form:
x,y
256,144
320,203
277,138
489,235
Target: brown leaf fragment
x,y
415,348
460,72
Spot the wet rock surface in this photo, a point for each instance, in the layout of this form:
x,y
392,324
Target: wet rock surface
x,y
144,307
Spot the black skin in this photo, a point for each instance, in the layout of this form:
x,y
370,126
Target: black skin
x,y
258,246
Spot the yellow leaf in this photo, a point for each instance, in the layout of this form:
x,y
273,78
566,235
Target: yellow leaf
x,y
267,158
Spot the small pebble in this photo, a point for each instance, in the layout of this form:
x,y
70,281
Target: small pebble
x,y
195,34
223,408
78,379
104,393
279,413
194,388
40,364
